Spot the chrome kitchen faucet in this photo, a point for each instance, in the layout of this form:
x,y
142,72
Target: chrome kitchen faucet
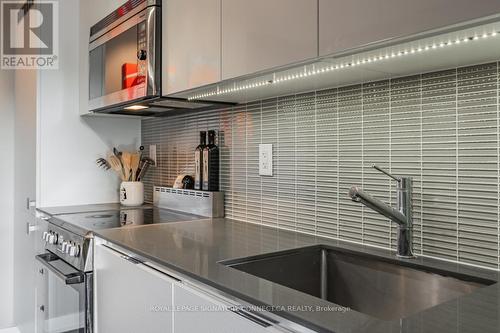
x,y
402,215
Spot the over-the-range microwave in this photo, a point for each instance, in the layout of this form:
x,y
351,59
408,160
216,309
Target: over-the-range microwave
x,y
125,63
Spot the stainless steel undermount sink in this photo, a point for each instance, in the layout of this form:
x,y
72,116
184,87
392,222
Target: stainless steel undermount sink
x,y
378,287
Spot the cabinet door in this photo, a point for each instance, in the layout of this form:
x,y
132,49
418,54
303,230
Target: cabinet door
x,y
25,185
191,44
129,297
347,24
261,34
197,312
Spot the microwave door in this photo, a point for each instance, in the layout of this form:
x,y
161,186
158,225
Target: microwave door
x,y
120,63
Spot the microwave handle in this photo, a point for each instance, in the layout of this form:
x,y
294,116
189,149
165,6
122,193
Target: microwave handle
x,y
74,277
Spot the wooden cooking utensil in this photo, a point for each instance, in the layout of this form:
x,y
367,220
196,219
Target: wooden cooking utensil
x,y
116,165
127,164
135,158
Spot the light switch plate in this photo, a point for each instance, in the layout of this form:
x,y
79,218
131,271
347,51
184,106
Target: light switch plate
x,y
266,159
152,153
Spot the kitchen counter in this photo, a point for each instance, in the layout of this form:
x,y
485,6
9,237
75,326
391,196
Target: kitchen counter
x,y
195,249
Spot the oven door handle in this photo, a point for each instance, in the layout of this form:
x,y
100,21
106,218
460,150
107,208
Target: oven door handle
x,y
74,277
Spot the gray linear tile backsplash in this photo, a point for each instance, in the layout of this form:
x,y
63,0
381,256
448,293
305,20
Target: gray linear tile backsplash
x,y
441,128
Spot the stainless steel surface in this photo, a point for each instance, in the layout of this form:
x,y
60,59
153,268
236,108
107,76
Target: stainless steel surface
x,y
121,19
403,215
60,268
196,249
208,204
385,172
145,164
89,301
62,238
162,106
151,88
358,195
378,288
66,292
154,48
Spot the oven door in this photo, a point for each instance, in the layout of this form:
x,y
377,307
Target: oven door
x,y
124,62
62,296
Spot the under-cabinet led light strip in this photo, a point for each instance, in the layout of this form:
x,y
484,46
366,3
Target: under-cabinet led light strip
x,y
349,64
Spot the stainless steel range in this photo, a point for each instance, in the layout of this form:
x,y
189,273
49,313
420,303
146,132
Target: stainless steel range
x,y
66,267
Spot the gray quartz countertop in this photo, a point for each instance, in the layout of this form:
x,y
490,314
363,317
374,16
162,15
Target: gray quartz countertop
x,y
196,248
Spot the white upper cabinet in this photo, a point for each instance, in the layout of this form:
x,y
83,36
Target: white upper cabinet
x,y
347,24
191,44
261,34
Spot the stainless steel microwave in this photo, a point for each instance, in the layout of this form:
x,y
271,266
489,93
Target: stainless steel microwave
x,y
125,56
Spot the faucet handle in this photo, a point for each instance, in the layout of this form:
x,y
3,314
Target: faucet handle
x,y
398,179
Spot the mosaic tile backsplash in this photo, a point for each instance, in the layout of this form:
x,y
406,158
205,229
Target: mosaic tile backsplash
x,y
441,128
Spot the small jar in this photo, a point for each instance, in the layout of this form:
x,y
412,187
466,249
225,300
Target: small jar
x,y
131,193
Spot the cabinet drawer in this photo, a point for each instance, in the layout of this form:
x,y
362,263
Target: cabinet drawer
x,y
197,312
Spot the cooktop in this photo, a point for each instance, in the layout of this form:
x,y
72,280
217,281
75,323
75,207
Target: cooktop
x,y
82,223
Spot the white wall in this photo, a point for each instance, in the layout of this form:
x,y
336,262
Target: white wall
x,y
6,196
68,144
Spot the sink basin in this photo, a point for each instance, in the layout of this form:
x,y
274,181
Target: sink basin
x,y
378,287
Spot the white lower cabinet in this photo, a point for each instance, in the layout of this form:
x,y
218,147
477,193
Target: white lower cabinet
x,y
197,312
130,297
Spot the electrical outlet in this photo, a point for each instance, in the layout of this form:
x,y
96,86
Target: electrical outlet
x,y
152,153
266,159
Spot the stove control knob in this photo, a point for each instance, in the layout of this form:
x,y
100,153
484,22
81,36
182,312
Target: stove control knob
x,y
72,250
44,236
68,247
63,246
52,238
77,250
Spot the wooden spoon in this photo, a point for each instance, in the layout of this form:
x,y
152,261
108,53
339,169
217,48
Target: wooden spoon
x,y
127,164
